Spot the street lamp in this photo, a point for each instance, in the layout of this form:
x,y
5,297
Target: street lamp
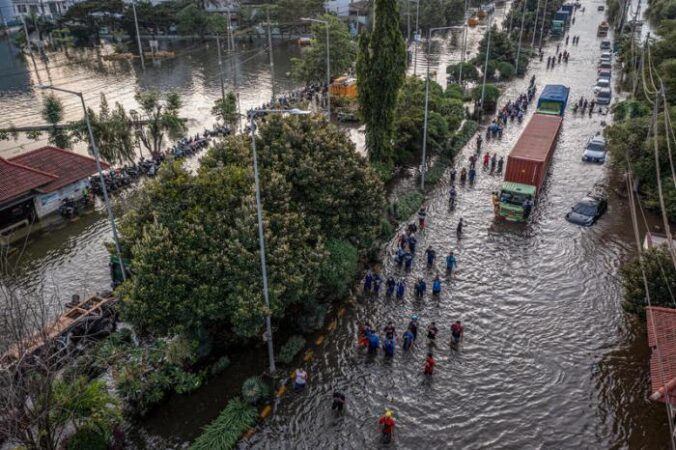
x,y
328,63
488,50
95,150
261,236
423,166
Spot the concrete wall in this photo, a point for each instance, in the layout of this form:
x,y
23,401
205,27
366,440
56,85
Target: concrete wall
x,y
49,203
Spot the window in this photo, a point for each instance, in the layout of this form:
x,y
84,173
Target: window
x,y
21,9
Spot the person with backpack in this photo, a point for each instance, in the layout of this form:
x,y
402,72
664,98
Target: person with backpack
x,y
407,339
436,286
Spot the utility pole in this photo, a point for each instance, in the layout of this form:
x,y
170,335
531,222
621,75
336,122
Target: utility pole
x,y
272,61
28,39
542,28
408,22
417,37
328,61
138,36
518,49
488,50
220,67
464,43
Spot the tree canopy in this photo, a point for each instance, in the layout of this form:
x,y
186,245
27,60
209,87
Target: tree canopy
x,y
311,67
193,241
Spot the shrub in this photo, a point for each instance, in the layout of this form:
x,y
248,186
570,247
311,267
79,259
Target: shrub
x,y
384,170
224,432
455,91
462,137
220,365
407,205
254,389
507,70
386,229
469,72
655,261
339,269
491,96
88,438
181,351
311,317
435,174
290,349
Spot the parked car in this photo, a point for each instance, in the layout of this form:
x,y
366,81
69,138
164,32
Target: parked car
x,y
588,210
605,65
606,45
601,83
601,8
605,73
603,96
595,149
606,56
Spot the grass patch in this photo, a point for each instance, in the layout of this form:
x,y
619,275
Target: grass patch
x,y
407,205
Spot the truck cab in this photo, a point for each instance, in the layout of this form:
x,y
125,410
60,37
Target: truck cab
x,y
513,198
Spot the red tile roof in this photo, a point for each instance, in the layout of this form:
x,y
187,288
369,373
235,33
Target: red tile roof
x,y
662,336
17,179
68,167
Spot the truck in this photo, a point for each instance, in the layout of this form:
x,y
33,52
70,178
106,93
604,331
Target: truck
x,y
563,16
529,160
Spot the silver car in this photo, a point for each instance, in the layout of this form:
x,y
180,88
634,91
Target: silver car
x,y
603,96
595,150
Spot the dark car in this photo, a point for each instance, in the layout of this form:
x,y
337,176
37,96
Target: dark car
x,y
606,45
588,210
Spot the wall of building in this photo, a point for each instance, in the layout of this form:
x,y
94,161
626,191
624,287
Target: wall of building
x,y
49,203
340,7
7,10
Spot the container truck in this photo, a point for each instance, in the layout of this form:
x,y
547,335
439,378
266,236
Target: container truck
x,y
529,160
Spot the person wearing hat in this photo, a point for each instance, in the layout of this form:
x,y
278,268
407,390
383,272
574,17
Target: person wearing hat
x,y
387,424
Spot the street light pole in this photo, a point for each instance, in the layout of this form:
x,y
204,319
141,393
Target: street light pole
x,y
220,67
416,37
261,242
464,43
95,150
138,35
542,28
488,50
423,165
518,49
328,63
272,61
535,24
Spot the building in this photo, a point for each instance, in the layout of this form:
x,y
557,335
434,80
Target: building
x,y
7,12
44,8
33,185
341,8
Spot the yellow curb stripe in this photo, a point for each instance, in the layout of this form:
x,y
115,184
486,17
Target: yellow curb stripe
x,y
249,433
319,340
332,326
341,312
265,412
280,391
309,355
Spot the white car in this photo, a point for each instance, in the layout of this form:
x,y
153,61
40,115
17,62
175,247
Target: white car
x,y
595,150
601,83
606,56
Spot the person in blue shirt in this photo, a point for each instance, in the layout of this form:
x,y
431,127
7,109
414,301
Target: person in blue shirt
x,y
408,261
408,339
368,281
436,286
401,286
399,258
451,263
391,284
412,241
388,346
374,342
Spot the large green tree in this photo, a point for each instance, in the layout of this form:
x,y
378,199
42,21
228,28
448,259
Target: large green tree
x,y
661,276
381,68
160,118
311,67
226,110
52,112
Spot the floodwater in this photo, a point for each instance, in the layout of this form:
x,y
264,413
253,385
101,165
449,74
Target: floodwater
x,y
549,359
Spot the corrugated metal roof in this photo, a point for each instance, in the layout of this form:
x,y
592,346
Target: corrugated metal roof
x,y
662,334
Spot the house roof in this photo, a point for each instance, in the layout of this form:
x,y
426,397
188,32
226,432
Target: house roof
x,y
17,179
662,337
68,167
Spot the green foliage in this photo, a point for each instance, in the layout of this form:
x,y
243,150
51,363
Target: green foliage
x,y
181,351
629,109
162,116
407,205
661,276
502,50
114,136
469,71
339,269
220,365
491,96
193,237
462,137
191,20
311,67
381,67
226,110
52,113
383,169
507,70
289,350
254,390
87,438
224,432
455,91
444,117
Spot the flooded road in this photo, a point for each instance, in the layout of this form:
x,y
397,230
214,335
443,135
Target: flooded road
x,y
549,358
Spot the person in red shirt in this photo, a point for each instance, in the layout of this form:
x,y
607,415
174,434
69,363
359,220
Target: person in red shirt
x,y
457,331
387,424
429,364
